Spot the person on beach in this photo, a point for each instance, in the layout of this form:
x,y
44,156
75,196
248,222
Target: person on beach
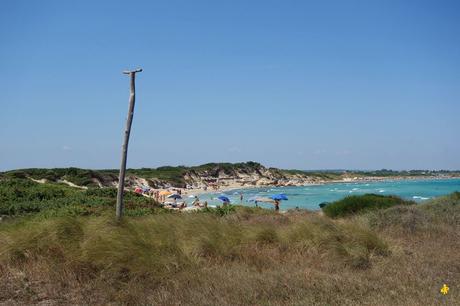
x,y
277,205
241,198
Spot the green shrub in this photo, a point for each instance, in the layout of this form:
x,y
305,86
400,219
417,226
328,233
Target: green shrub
x,y
102,192
139,212
225,210
362,203
23,196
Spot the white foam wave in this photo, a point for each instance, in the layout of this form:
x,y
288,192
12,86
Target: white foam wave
x,y
419,197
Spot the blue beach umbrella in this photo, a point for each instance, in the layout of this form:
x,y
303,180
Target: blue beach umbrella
x,y
224,199
279,197
174,196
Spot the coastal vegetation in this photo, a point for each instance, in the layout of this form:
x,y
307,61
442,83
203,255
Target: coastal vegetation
x,y
359,204
248,173
62,245
168,174
23,197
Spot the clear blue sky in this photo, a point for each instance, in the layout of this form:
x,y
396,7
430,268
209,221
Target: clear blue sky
x,y
292,84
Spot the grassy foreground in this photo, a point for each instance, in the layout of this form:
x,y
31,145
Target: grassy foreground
x,y
396,256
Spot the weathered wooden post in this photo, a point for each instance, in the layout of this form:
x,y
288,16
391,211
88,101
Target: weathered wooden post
x,y
124,153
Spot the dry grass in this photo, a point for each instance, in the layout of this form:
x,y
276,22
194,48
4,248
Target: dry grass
x,y
399,256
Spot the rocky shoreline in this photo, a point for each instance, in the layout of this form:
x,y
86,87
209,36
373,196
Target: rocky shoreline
x,y
219,180
216,176
235,186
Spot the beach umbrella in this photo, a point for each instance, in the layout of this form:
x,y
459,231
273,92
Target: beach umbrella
x,y
279,197
174,196
224,199
165,192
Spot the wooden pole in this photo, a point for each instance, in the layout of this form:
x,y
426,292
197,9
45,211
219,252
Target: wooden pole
x,y
124,152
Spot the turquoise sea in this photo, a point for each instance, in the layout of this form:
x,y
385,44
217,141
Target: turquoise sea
x,y
309,197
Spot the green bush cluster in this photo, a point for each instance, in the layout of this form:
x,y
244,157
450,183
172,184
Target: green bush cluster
x,y
362,203
172,175
224,210
80,177
23,196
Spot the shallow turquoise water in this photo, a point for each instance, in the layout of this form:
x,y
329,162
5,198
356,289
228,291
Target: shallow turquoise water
x,y
310,196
